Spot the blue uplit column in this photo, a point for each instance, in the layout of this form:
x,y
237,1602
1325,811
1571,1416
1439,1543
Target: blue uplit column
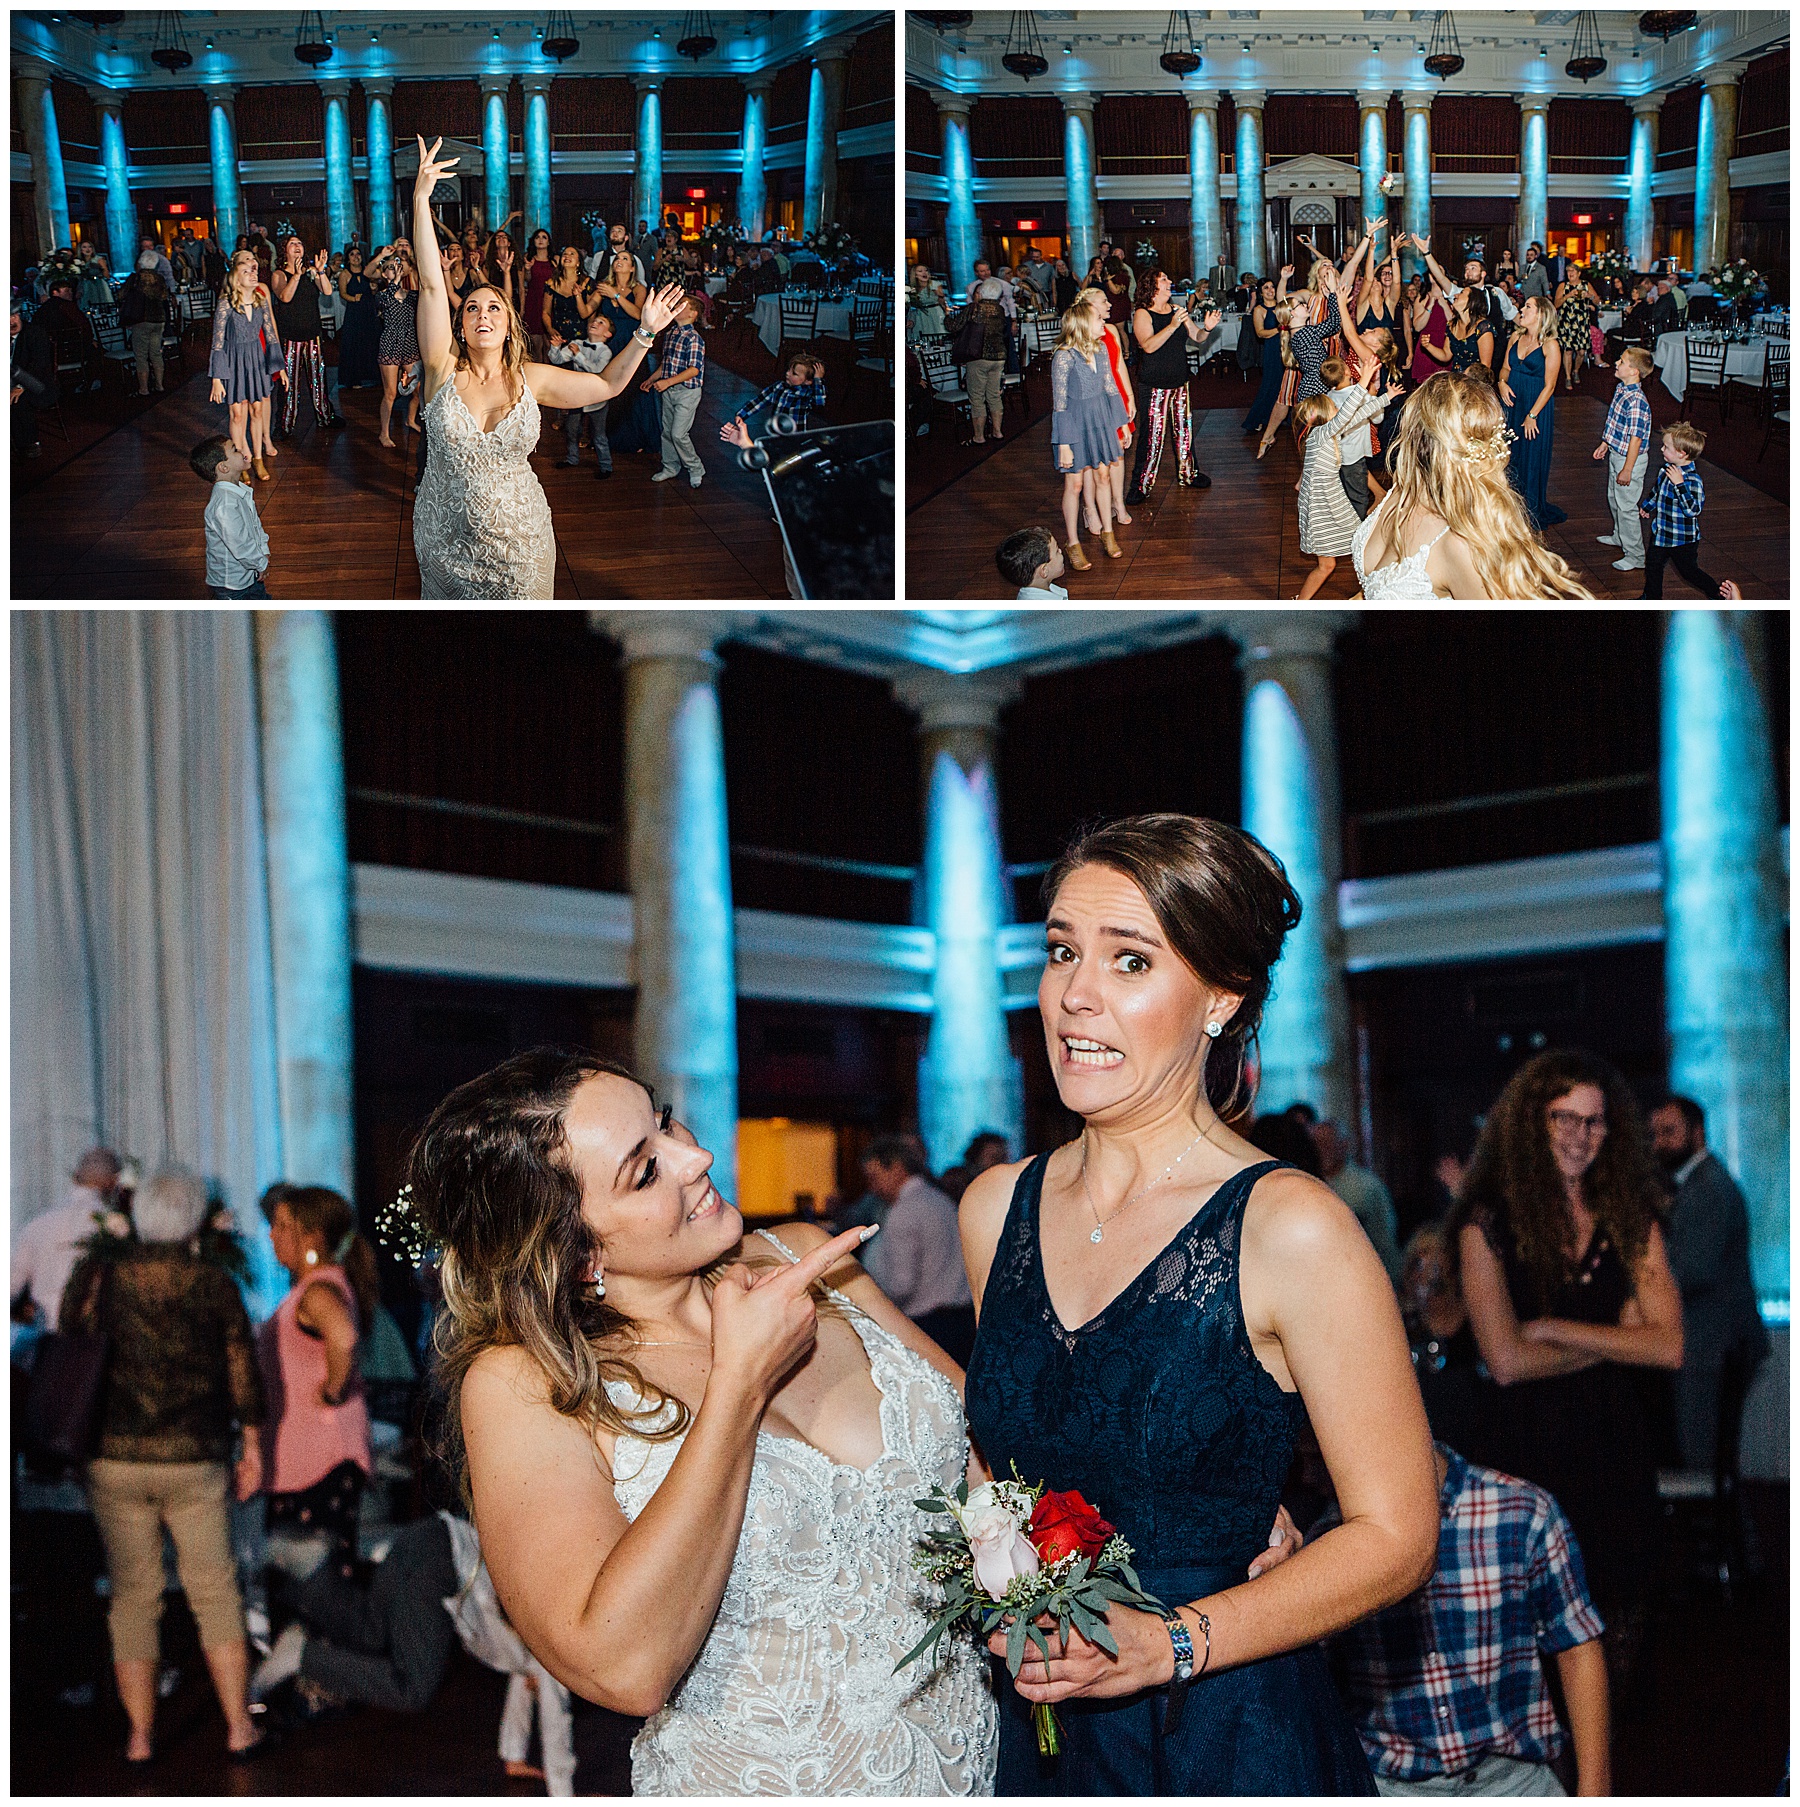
x,y
227,196
1534,173
496,148
824,120
539,201
1252,213
121,212
1081,192
962,232
49,192
679,867
647,180
969,1079
753,182
1725,971
1712,166
1206,236
1372,103
1415,154
340,175
1291,804
1640,206
378,91
309,893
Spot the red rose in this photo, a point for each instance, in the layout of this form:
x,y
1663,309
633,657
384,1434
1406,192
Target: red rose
x,y
1064,1524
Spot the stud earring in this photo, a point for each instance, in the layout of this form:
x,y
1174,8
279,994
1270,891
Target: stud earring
x,y
1215,1030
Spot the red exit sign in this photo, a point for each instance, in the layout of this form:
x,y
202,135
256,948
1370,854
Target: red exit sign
x,y
1584,219
696,194
1025,225
178,207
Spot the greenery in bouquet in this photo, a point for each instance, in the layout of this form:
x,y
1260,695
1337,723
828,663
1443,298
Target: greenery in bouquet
x,y
1013,1555
593,225
833,242
1735,280
1610,262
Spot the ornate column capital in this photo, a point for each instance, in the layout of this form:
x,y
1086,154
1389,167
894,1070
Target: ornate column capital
x,y
1080,102
1417,100
648,81
1534,103
836,52
537,81
958,106
948,700
759,83
106,100
334,87
378,87
32,69
1203,100
663,633
1371,100
494,81
1249,100
1723,75
1647,103
1269,634
221,94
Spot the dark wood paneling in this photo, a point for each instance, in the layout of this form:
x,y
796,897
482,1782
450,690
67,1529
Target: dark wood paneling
x,y
165,125
1017,135
1678,134
598,110
1763,106
1475,133
450,109
1141,134
1589,135
924,136
77,121
284,121
788,101
869,81
1297,125
697,108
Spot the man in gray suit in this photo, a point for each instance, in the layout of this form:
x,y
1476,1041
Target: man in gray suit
x,y
1709,1252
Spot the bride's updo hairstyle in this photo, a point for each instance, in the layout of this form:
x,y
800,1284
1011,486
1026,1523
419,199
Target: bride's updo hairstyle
x,y
1224,904
492,1184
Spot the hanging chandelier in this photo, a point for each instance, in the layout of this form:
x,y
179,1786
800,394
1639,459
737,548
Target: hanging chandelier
x,y
171,52
1024,49
1445,57
943,22
697,38
1585,60
560,42
310,44
1666,25
1179,57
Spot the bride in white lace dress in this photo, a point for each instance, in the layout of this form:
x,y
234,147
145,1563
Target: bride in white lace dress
x,y
693,1454
481,524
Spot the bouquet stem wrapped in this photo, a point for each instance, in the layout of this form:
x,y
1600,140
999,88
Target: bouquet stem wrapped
x,y
1012,1556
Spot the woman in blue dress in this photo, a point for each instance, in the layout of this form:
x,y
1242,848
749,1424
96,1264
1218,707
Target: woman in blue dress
x,y
1267,327
246,360
1161,1309
361,335
1528,388
1086,413
633,423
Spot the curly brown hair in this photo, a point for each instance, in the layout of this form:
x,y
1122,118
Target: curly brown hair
x,y
1514,1181
1148,277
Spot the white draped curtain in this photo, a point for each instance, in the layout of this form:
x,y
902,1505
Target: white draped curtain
x,y
143,1012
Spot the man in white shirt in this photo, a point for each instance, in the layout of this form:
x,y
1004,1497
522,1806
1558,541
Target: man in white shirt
x,y
984,272
917,1258
47,1249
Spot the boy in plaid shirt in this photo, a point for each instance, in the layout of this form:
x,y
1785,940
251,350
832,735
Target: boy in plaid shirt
x,y
1447,1687
679,384
1626,438
1673,512
799,392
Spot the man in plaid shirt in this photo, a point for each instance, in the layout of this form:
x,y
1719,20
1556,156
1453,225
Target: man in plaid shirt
x,y
1447,1687
1674,513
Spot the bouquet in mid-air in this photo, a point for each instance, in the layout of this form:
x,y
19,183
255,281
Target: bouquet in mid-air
x,y
1009,1554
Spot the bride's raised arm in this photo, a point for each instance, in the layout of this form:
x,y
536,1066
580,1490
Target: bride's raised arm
x,y
436,343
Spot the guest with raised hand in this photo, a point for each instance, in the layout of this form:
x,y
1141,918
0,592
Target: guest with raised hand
x,y
1528,389
481,525
246,359
298,285
1471,335
1452,525
1188,1305
1163,333
502,271
394,280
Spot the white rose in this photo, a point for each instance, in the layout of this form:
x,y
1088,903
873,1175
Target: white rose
x,y
116,1223
1001,1551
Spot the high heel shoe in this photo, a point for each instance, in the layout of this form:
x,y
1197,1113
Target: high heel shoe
x,y
1077,559
261,469
1110,544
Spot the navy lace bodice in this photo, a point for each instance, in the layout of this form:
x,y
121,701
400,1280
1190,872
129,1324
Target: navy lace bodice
x,y
1157,1410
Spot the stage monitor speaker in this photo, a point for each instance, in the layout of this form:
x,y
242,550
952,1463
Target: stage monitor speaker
x,y
833,493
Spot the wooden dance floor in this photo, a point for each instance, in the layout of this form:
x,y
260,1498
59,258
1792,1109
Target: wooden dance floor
x,y
123,520
1240,540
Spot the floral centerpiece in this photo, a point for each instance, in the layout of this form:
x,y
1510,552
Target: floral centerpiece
x,y
1735,281
1610,263
1013,1555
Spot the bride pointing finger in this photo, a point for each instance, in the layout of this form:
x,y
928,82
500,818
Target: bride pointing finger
x,y
481,524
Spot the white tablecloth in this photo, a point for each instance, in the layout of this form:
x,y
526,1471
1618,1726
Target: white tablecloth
x,y
1610,318
715,285
1744,361
834,321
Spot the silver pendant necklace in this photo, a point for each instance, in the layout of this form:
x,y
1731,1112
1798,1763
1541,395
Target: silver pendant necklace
x,y
1099,1231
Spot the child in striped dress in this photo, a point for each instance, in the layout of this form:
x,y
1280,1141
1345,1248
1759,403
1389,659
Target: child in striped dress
x,y
1327,521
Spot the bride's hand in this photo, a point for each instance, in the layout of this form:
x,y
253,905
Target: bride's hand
x,y
432,170
663,305
765,1322
1079,1669
1285,1539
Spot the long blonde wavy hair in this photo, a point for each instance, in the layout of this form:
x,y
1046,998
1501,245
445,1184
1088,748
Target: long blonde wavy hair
x,y
1449,459
1080,328
1549,333
256,292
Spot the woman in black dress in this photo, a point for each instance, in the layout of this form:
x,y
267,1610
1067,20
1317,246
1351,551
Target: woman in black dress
x,y
1571,1297
1265,324
394,281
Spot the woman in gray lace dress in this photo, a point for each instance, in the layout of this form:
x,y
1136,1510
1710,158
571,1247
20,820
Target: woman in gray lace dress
x,y
481,524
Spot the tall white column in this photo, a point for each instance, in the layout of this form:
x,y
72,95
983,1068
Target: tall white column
x,y
962,231
1534,174
1640,207
753,181
309,893
647,168
1292,805
1724,913
340,175
49,192
1081,192
1372,150
496,148
1206,235
384,206
1415,152
679,868
1252,212
968,1078
115,159
1712,166
539,206
227,193
824,120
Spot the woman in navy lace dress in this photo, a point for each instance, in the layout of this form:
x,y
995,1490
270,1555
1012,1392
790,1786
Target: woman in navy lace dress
x,y
1161,1308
